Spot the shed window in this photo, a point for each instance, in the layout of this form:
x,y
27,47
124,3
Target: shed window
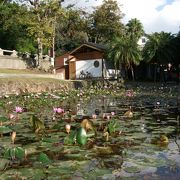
x,y
96,64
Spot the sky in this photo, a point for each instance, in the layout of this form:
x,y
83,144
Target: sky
x,y
155,15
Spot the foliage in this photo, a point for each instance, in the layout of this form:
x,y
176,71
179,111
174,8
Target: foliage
x,y
14,36
3,119
14,153
113,126
36,123
70,30
104,22
44,159
158,48
124,51
4,130
81,136
134,29
71,138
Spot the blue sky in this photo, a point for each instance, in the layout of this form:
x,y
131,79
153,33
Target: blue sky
x,y
155,15
168,2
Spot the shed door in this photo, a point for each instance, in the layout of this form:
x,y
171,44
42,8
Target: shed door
x,y
72,69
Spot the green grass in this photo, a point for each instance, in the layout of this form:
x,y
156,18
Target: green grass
x,y
21,71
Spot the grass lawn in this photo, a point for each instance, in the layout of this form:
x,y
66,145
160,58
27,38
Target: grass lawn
x,y
22,71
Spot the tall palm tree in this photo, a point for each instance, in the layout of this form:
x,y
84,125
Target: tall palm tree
x,y
124,50
175,46
134,29
158,49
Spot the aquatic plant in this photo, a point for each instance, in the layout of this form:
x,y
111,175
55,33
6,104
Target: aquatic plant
x,y
36,124
14,153
58,110
18,109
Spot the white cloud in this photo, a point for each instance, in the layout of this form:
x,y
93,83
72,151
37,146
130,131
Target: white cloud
x,y
155,15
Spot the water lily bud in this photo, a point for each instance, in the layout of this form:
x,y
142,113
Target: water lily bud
x,y
13,136
104,115
68,128
11,116
25,154
94,116
108,117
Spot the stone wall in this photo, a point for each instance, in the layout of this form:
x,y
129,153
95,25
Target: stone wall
x,y
12,62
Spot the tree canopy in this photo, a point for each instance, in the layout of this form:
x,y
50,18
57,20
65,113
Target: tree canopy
x,y
105,22
159,48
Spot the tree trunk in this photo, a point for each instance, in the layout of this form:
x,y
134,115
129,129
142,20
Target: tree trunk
x,y
155,73
132,73
39,42
40,53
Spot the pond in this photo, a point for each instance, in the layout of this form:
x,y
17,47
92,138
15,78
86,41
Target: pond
x,y
130,132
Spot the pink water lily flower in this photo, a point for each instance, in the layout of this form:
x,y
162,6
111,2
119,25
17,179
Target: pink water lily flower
x,y
94,116
18,109
129,93
58,110
112,113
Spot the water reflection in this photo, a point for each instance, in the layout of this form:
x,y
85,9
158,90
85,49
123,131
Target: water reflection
x,y
145,149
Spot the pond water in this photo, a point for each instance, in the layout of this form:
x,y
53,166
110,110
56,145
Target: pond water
x,y
144,146
143,158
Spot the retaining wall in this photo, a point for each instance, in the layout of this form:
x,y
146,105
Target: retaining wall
x,y
12,62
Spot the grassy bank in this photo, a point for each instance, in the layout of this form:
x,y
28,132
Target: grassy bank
x,y
18,85
21,71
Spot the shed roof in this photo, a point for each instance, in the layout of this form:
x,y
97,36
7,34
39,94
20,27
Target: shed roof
x,y
95,46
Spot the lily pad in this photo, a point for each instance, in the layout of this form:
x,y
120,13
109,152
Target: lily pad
x,y
132,169
5,129
14,153
43,158
3,119
4,164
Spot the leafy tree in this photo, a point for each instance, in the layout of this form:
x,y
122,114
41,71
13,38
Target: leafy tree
x,y
104,22
124,51
42,22
70,30
2,2
12,29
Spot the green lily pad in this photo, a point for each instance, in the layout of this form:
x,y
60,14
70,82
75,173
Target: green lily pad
x,y
132,169
4,164
5,129
14,153
3,119
43,158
